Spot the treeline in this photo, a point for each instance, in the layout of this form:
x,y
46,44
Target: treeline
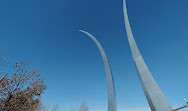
x,y
42,107
21,88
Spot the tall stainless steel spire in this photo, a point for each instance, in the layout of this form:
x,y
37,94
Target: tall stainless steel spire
x,y
111,89
154,95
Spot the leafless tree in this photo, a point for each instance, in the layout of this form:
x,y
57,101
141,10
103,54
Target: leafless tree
x,y
42,107
55,108
20,87
83,107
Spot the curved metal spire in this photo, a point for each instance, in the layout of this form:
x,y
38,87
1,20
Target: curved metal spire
x,y
110,82
154,95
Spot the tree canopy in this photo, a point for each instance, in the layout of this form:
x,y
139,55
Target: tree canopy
x,y
20,87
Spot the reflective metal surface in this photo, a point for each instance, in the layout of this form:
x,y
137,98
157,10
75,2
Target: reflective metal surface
x,y
110,82
154,95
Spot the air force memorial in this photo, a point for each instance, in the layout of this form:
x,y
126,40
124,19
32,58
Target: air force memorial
x,y
154,95
156,99
110,82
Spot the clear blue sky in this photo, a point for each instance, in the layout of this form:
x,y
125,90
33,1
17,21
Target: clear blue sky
x,y
46,32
